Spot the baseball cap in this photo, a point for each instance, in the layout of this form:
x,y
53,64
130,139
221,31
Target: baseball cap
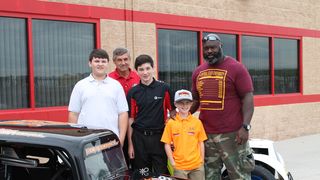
x,y
182,95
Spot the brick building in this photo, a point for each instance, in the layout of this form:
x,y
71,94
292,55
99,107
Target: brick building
x,y
44,47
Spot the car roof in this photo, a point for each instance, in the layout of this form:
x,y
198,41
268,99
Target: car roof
x,y
50,133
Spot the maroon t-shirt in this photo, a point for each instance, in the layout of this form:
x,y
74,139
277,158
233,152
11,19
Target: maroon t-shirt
x,y
219,89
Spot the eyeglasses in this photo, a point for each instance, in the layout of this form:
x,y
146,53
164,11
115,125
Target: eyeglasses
x,y
211,37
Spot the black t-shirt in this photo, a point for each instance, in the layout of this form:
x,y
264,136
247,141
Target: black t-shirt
x,y
149,105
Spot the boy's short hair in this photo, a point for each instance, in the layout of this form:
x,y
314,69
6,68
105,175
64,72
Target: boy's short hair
x,y
182,95
142,59
98,53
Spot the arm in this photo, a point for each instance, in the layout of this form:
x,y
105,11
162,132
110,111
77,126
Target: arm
x,y
169,103
74,107
247,112
123,125
173,113
247,108
201,144
195,93
168,150
195,104
130,144
73,117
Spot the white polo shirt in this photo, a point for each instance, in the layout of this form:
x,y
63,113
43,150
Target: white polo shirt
x,y
98,103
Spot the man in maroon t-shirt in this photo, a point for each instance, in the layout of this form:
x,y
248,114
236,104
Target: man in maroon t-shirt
x,y
222,88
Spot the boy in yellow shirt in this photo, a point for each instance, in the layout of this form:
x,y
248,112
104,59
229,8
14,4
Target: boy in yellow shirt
x,y
187,135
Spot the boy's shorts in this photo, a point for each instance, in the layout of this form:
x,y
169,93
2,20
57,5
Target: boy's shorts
x,y
195,174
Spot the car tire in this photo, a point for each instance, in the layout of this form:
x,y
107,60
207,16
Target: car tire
x,y
261,173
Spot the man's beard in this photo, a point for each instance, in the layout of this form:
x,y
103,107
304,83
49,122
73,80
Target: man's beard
x,y
215,57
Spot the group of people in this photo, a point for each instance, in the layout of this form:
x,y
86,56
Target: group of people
x,y
156,126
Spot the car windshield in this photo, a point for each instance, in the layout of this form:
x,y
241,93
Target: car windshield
x,y
104,159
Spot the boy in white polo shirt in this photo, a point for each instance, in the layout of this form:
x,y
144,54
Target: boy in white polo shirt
x,y
98,100
187,135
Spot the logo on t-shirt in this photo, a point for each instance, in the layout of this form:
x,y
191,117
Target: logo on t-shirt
x,y
211,85
157,97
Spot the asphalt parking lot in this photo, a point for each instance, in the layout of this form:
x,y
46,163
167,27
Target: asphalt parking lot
x,y
302,156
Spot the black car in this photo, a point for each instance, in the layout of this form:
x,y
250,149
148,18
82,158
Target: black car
x,y
31,149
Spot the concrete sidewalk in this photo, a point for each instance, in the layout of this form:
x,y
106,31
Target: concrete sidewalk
x,y
301,156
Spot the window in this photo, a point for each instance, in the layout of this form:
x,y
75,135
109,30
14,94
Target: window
x,y
14,86
61,51
104,159
34,161
60,58
286,74
178,57
276,73
255,56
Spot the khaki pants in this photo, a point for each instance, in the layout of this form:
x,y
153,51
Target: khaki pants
x,y
195,174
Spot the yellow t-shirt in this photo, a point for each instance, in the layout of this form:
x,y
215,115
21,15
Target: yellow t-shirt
x,y
185,135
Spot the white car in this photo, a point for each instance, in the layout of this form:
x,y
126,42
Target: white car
x,y
269,163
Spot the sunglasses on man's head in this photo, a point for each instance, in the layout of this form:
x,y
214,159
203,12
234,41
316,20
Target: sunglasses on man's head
x,y
211,37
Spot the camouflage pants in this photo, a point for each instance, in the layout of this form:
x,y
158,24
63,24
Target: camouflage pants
x,y
223,149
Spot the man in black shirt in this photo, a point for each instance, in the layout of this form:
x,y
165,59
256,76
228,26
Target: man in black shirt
x,y
149,103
